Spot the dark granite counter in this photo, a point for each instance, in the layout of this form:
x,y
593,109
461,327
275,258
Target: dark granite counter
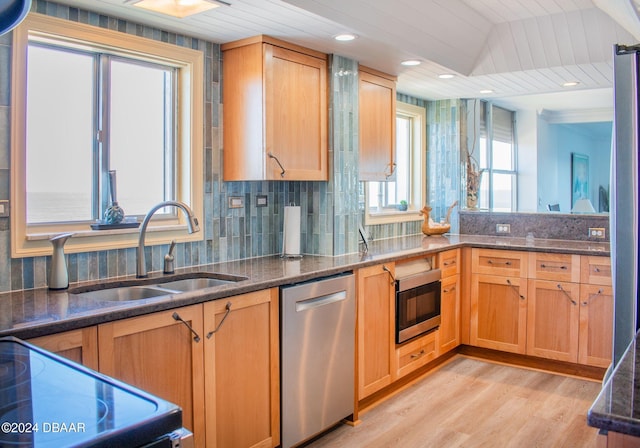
x,y
617,407
31,313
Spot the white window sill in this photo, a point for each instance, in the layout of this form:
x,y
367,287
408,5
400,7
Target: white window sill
x,y
392,216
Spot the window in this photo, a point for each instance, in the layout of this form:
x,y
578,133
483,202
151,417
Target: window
x,y
383,199
497,161
96,101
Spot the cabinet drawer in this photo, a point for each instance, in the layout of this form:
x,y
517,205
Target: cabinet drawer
x,y
595,270
499,262
449,262
416,353
561,267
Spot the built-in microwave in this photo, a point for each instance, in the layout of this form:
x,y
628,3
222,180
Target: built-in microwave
x,y
417,300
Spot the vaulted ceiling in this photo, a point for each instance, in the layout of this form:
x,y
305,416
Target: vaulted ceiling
x,y
512,47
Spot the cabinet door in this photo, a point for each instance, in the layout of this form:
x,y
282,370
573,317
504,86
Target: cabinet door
x,y
596,325
79,345
377,115
158,354
552,320
449,331
296,115
242,370
498,312
376,329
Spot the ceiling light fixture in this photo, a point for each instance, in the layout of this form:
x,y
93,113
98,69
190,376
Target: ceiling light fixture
x,y
446,76
570,84
411,62
178,8
486,91
345,37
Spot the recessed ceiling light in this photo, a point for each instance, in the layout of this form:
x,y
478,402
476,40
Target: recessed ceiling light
x,y
570,84
486,91
446,76
411,62
178,8
345,37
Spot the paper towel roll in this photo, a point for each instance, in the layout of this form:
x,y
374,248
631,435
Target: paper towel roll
x,y
291,231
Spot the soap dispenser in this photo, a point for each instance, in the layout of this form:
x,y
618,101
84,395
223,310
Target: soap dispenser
x,y
58,274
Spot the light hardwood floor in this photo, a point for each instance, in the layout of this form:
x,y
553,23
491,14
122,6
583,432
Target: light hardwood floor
x,y
474,403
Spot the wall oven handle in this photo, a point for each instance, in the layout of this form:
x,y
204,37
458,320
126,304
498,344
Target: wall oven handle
x,y
385,268
196,336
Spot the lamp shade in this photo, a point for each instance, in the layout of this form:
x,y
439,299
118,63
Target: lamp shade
x,y
583,206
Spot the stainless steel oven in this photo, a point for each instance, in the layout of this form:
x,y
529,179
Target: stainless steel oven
x,y
417,299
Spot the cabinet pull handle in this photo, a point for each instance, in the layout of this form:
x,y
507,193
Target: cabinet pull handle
x,y
385,268
270,154
226,313
417,355
544,266
449,262
592,296
177,317
515,289
507,263
392,169
596,269
566,294
448,290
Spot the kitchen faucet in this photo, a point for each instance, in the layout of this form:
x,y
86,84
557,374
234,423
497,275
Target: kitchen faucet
x,y
192,227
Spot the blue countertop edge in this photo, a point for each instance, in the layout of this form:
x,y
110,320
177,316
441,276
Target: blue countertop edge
x,y
615,408
37,312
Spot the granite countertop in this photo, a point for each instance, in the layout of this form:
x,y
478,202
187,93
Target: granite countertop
x,y
617,407
37,312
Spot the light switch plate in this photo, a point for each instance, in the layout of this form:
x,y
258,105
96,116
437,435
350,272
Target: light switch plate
x,y
503,228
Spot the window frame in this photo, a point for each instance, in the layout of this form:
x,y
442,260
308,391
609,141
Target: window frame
x,y
32,240
490,171
417,166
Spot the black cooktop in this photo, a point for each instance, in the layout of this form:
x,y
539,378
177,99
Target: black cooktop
x,y
48,401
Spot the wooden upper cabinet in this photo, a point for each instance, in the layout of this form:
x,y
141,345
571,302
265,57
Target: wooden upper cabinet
x,y
377,112
274,111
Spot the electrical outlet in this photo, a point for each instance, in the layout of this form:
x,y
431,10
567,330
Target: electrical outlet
x,y
262,200
236,202
597,232
503,228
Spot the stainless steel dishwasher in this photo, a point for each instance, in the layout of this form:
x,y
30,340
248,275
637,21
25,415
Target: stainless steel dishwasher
x,y
318,355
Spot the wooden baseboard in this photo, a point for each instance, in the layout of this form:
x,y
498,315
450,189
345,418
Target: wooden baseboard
x,y
532,362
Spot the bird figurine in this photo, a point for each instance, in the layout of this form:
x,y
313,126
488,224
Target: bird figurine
x,y
429,227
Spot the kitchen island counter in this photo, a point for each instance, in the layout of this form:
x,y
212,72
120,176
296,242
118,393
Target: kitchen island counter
x,y
37,312
617,407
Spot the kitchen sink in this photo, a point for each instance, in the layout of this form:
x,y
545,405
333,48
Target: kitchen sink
x,y
192,284
141,289
126,293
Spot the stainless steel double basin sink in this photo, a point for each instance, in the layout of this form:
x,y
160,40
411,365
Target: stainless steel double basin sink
x,y
156,288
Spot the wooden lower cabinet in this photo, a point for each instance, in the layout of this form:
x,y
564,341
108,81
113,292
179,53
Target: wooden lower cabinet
x,y
596,325
552,320
376,324
159,354
242,370
449,331
498,312
79,345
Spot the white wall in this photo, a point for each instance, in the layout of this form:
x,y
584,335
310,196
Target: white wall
x,y
527,140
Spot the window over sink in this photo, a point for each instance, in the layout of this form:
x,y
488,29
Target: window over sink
x,y
87,101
